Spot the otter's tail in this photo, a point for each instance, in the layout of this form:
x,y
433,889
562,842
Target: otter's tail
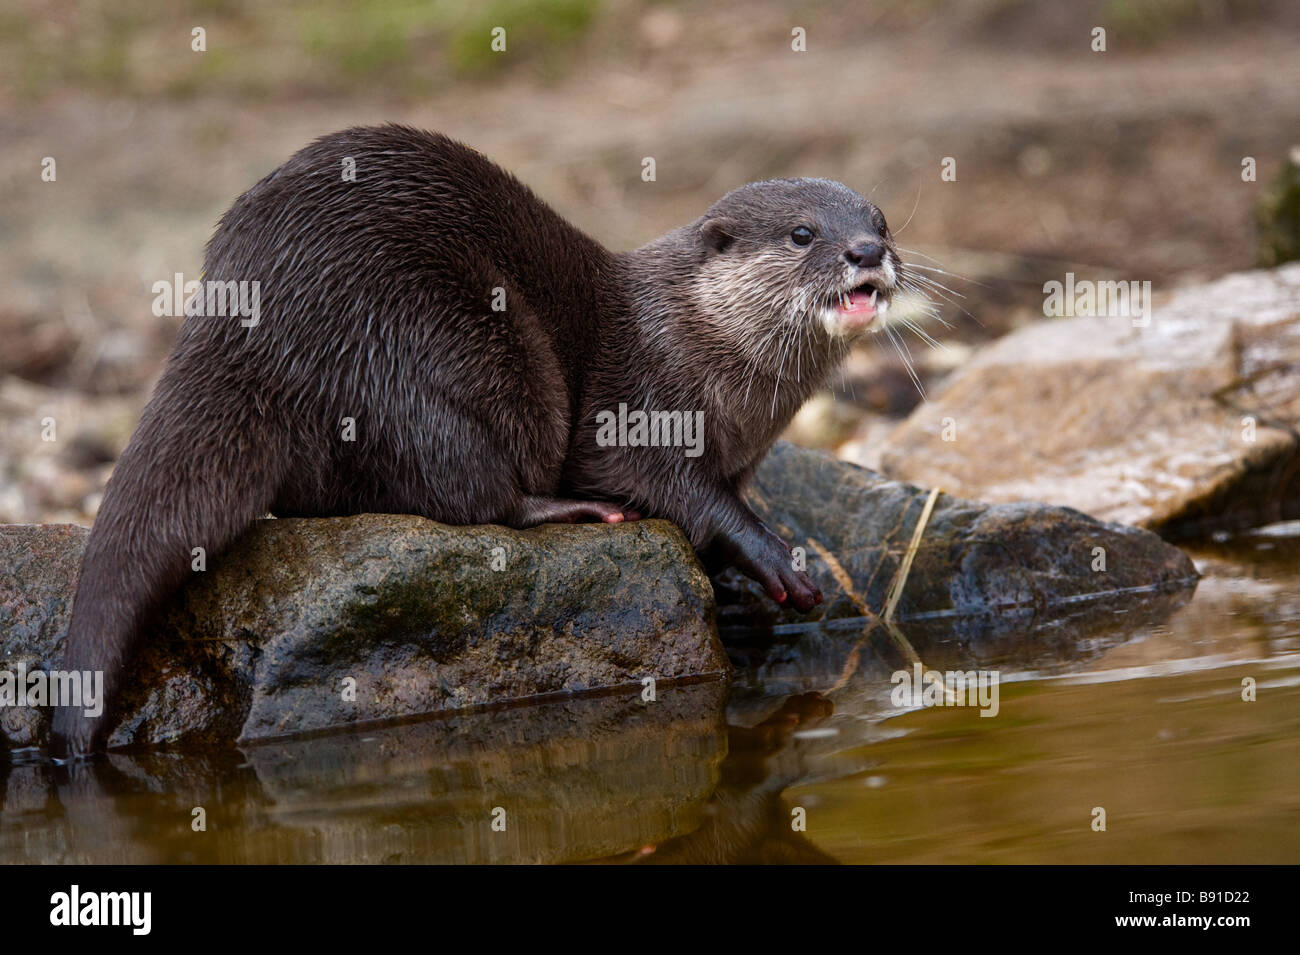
x,y
186,480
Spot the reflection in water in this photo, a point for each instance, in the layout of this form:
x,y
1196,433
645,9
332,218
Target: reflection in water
x,y
575,779
746,821
1135,707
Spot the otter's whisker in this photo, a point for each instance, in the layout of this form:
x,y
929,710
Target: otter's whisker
x,y
935,284
941,292
916,252
907,361
915,206
934,268
923,334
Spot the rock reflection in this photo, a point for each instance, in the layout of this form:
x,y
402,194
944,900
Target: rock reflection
x,y
576,779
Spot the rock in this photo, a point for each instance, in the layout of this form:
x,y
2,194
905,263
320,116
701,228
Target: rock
x,y
260,645
1185,426
980,569
39,568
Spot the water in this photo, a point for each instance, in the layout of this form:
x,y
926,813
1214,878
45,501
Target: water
x,y
1141,715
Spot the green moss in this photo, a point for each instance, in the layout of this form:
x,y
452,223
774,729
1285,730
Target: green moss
x,y
530,25
398,48
1145,22
368,40
1278,216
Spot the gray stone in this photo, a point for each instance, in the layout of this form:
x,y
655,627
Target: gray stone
x,y
262,643
974,560
1187,425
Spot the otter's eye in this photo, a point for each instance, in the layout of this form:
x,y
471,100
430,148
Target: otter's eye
x,y
801,235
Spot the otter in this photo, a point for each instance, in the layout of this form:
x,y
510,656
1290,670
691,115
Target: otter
x,y
474,343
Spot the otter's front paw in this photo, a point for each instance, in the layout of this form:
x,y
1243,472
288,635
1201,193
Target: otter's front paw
x,y
768,561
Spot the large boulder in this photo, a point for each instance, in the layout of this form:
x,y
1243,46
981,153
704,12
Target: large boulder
x,y
1186,425
414,616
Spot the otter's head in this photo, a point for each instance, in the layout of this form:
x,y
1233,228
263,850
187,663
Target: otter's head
x,y
801,252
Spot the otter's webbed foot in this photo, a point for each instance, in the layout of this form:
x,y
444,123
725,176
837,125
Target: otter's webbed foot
x,y
559,510
764,557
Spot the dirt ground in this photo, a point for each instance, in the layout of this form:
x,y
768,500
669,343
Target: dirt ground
x,y
1126,163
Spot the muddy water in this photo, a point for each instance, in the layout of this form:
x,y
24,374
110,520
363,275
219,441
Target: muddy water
x,y
1137,711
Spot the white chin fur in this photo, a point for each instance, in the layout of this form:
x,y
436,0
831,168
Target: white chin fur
x,y
830,320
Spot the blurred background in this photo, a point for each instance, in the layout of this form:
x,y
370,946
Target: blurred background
x,y
1123,164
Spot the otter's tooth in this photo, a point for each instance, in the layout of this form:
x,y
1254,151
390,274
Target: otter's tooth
x,y
874,293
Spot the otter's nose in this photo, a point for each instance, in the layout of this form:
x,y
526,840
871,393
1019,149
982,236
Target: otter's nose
x,y
866,255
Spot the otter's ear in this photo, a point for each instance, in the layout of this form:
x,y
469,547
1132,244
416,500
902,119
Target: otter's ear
x,y
718,234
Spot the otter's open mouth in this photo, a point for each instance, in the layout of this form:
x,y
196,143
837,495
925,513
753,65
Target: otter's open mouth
x,y
859,306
